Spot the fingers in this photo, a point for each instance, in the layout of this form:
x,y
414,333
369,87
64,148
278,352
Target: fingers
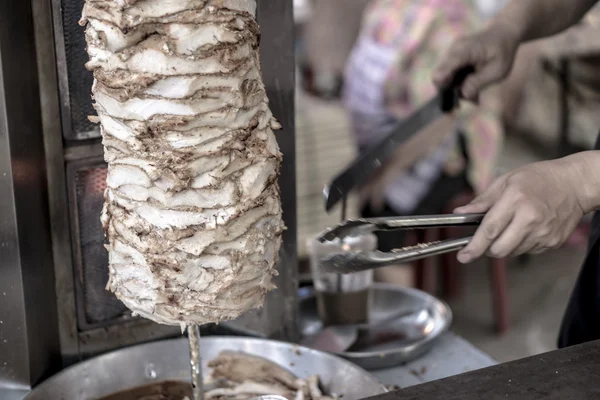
x,y
497,218
490,66
475,83
513,241
485,201
493,225
458,56
528,245
477,206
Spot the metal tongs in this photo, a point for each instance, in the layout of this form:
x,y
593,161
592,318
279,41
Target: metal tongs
x,y
349,262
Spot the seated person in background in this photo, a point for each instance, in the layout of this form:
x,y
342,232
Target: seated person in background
x,y
388,76
328,37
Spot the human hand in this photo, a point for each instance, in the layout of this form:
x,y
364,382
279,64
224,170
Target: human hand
x,y
532,209
491,52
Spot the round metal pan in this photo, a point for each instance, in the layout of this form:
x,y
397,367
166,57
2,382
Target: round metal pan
x,y
169,360
406,338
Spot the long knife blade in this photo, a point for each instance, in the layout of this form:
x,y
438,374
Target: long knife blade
x,y
364,166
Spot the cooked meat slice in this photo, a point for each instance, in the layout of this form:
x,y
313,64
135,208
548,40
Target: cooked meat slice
x,y
249,376
241,367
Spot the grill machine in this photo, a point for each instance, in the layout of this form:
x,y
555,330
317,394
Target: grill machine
x,y
54,310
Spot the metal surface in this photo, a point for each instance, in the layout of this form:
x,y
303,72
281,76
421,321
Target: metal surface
x,y
169,360
450,355
339,338
12,394
333,339
27,298
55,171
355,227
408,337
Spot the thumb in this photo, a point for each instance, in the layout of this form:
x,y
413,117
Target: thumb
x,y
477,206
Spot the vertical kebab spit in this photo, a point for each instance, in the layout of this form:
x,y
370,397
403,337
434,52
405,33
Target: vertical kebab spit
x,y
192,207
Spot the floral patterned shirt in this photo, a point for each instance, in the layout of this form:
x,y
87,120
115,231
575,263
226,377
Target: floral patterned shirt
x,y
389,76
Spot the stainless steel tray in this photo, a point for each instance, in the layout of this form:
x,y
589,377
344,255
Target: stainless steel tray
x,y
169,360
407,338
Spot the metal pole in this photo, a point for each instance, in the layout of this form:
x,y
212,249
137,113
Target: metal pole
x,y
196,362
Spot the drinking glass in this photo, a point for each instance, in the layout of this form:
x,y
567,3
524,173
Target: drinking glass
x,y
342,299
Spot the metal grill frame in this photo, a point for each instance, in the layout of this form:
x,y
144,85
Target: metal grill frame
x,y
63,78
76,246
29,349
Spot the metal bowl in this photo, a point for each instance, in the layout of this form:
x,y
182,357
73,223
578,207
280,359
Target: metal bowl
x,y
169,360
412,336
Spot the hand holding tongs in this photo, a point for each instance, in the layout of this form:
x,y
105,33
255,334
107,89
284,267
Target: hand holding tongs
x,y
349,262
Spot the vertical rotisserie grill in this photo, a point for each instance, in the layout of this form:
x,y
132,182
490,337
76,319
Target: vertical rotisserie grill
x,y
42,41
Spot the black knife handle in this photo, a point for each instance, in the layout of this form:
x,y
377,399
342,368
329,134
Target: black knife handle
x,y
450,95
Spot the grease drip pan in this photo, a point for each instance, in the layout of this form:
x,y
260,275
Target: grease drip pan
x,y
394,342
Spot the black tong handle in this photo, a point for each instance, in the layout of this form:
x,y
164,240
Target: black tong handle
x,y
450,95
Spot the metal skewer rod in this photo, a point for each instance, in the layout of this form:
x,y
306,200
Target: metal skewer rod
x,y
343,218
196,362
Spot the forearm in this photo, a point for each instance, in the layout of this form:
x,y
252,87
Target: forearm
x,y
583,170
534,19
